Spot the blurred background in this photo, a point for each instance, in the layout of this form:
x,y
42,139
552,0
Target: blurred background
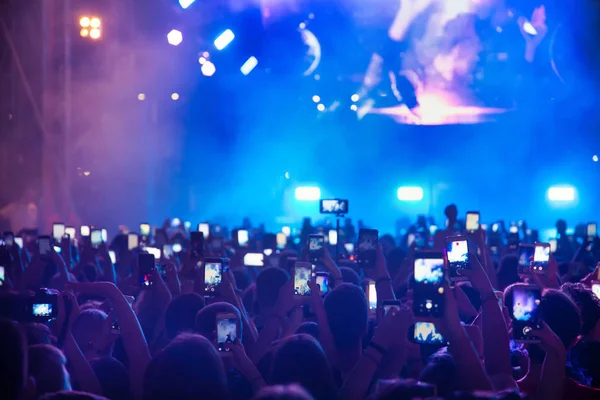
x,y
115,112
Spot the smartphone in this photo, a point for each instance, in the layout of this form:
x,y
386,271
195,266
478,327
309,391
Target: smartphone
x,y
316,247
457,254
96,238
147,269
592,231
242,238
71,231
472,221
9,239
387,306
428,291
596,288
2,276
349,247
333,206
157,253
281,240
43,311
525,312
322,279
197,245
44,245
303,274
19,241
133,241
58,230
254,260
226,331
144,230
113,256
367,247
553,245
84,231
104,233
426,333
526,251
372,296
213,275
541,257
204,228
333,237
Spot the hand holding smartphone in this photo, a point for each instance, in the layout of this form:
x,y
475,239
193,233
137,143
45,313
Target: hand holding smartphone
x,y
213,275
147,269
541,258
472,221
457,254
316,248
428,290
366,248
525,312
226,332
303,275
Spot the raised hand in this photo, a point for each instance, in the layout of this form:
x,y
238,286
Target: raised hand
x,y
538,22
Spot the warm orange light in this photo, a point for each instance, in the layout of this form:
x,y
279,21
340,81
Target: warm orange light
x,y
84,32
84,22
95,33
95,22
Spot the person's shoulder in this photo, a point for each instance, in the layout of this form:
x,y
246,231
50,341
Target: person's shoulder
x,y
574,390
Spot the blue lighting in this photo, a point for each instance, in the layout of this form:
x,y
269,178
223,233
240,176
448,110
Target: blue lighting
x,y
185,3
249,65
410,193
561,193
307,193
224,39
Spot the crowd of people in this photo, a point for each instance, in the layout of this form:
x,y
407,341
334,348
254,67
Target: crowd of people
x,y
89,320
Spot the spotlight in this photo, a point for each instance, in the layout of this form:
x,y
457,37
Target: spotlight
x,y
208,69
95,22
307,193
353,107
84,22
185,3
202,60
316,98
595,158
84,32
174,37
175,96
321,107
90,27
561,193
410,193
249,65
141,97
355,97
95,33
224,39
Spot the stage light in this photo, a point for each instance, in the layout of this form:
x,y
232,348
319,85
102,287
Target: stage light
x,y
84,22
287,175
249,65
202,60
95,33
174,37
321,107
286,230
90,27
410,193
353,107
84,32
355,97
308,193
302,25
208,69
175,96
224,39
316,98
185,3
595,158
141,97
95,22
561,193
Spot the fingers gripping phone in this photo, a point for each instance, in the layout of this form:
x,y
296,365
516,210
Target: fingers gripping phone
x,y
457,254
316,248
303,275
227,332
525,312
541,258
428,292
147,269
366,249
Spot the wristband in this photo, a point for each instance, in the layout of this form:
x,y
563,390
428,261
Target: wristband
x,y
380,349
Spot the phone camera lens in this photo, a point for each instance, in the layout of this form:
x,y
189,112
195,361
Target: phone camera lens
x,y
527,330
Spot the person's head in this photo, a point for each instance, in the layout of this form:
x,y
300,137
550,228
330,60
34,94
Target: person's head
x,y
13,360
180,315
189,368
268,283
589,306
441,372
508,272
387,243
47,365
300,359
37,333
309,328
347,313
113,377
89,333
71,395
394,389
561,227
283,392
451,213
350,276
206,319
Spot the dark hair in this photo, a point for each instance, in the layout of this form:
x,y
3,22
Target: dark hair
x,y
508,271
47,365
451,212
395,389
268,283
300,359
180,315
189,368
347,314
71,395
283,392
14,360
588,303
350,276
440,371
309,328
37,333
113,377
206,319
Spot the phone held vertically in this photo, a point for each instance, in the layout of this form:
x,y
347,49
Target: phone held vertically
x,y
227,328
541,258
316,248
213,275
472,221
526,252
303,275
322,279
428,289
146,269
524,312
197,245
457,256
366,248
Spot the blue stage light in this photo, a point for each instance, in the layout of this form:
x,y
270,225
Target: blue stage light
x,y
224,39
308,193
410,193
